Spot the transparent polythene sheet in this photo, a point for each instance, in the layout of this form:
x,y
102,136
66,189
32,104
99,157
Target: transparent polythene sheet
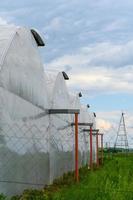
x,y
24,157
22,70
34,150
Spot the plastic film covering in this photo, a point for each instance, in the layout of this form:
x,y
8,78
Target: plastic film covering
x,y
6,35
94,148
24,125
21,70
24,150
61,133
83,136
35,148
94,139
92,120
50,78
86,116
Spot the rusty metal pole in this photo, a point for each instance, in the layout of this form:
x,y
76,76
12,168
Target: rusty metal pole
x,y
97,150
91,161
76,149
102,147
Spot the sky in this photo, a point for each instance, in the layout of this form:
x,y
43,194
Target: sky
x,y
92,40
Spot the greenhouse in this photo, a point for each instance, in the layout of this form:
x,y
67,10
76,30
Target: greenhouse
x,y
35,146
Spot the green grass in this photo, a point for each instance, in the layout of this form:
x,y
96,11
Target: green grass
x,y
113,181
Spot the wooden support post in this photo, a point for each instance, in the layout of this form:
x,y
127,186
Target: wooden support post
x,y
76,149
91,161
102,148
97,150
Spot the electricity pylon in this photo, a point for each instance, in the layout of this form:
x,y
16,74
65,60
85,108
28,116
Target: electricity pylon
x,y
121,141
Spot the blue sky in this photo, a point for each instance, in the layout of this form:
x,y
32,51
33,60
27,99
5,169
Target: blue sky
x,y
92,40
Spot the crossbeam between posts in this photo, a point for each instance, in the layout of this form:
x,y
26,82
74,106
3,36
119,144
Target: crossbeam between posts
x,y
63,111
82,124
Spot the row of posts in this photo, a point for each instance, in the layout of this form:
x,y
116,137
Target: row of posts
x,y
90,164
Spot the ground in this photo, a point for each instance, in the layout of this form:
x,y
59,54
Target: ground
x,y
112,181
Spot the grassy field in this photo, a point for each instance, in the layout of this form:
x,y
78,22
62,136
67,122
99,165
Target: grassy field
x,y
113,181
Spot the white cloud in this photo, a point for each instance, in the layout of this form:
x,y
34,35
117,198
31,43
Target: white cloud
x,y
101,54
103,80
54,25
90,70
3,21
103,124
115,25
